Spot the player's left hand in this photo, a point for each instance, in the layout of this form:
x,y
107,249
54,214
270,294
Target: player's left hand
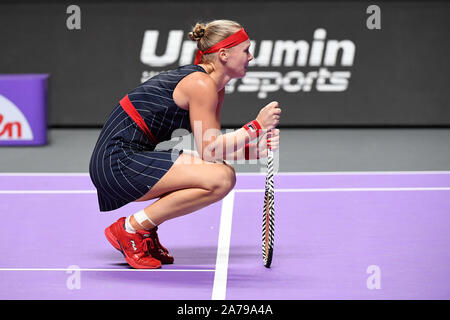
x,y
270,138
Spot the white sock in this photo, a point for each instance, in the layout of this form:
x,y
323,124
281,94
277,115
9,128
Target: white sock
x,y
128,227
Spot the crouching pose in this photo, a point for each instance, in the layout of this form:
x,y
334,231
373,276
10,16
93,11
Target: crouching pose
x,y
125,167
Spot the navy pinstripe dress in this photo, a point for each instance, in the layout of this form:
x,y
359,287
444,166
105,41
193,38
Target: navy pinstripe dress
x,y
124,164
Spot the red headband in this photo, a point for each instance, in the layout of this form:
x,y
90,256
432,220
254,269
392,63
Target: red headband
x,y
229,42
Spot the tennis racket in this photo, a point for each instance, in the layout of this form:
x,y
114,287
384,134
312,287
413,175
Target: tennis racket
x,y
268,223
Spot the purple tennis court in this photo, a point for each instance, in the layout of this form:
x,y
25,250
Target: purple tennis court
x,y
337,236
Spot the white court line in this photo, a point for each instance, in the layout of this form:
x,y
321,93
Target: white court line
x,y
249,190
285,173
46,191
107,270
223,248
223,251
350,189
332,173
44,174
221,271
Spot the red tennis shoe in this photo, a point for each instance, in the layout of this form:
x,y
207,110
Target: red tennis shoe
x,y
134,246
158,250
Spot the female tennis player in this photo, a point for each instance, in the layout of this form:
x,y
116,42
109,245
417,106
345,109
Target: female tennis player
x,y
125,167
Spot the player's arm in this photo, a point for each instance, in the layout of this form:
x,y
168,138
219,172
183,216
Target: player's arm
x,y
258,149
204,111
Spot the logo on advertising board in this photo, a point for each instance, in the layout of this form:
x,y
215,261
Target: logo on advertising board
x,y
289,66
13,124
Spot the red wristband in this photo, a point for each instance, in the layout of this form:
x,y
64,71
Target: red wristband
x,y
253,128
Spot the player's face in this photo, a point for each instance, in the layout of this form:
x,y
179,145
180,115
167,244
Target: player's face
x,y
239,59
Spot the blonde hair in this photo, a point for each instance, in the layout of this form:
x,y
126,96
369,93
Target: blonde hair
x,y
211,33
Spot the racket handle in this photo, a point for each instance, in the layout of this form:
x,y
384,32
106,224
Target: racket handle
x,y
269,147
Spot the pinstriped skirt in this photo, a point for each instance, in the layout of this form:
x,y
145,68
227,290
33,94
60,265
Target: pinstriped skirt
x,y
124,165
121,180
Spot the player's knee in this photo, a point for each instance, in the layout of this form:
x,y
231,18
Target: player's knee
x,y
223,181
230,177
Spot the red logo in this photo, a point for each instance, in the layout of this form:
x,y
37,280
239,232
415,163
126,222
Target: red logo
x,y
7,128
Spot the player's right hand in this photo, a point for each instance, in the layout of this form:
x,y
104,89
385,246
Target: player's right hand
x,y
269,116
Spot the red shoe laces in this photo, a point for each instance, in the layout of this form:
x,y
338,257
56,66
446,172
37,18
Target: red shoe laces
x,y
146,241
147,244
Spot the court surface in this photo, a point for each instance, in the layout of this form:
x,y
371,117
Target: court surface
x,y
348,235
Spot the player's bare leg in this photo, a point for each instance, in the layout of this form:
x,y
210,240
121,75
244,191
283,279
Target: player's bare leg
x,y
189,185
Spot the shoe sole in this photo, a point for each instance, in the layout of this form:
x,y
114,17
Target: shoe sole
x,y
116,244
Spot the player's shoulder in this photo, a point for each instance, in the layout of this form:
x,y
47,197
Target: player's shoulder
x,y
196,77
198,83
